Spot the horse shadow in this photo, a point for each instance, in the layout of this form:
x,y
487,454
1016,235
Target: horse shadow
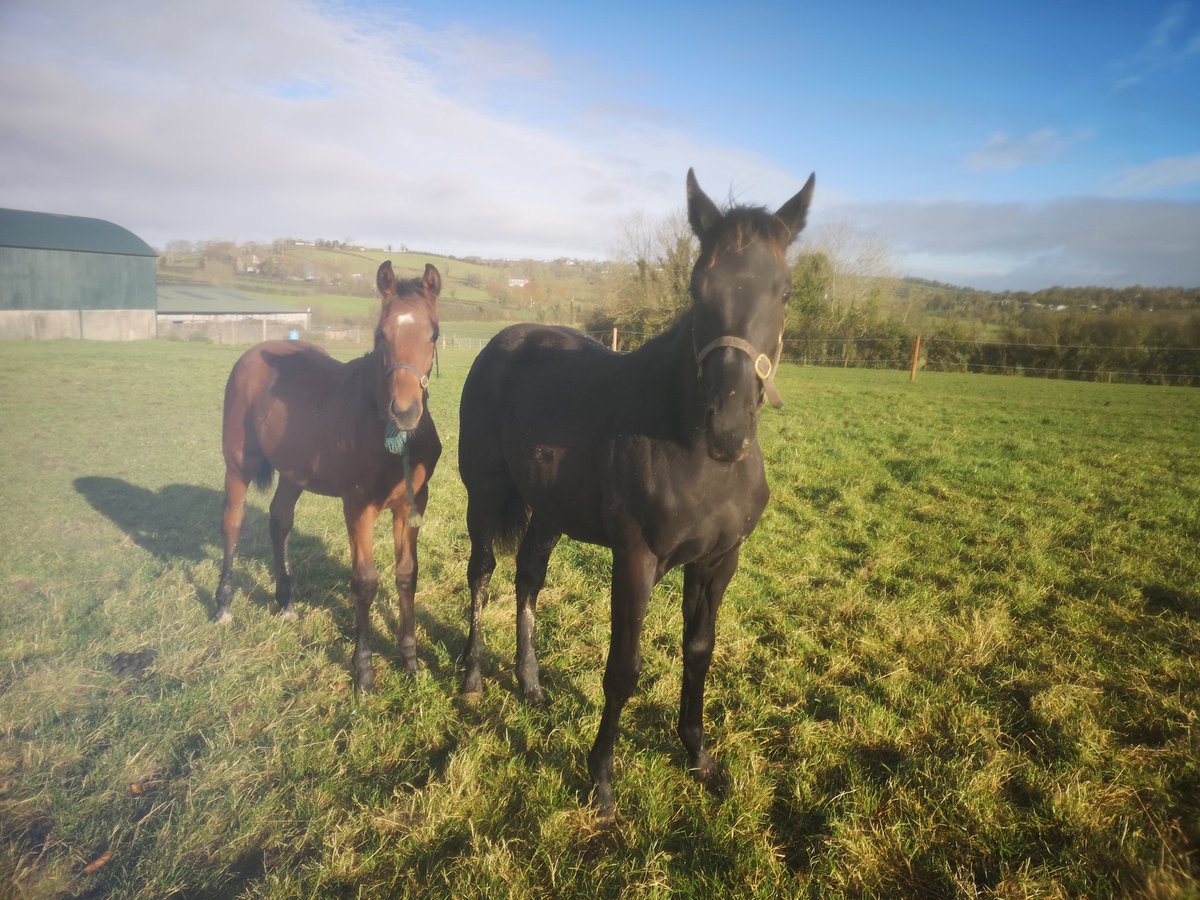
x,y
181,524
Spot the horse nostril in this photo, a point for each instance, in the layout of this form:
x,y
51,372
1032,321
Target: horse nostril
x,y
406,418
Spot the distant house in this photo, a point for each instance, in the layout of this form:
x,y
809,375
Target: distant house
x,y
74,277
518,282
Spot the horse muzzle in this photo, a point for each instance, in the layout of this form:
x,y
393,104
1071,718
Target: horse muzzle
x,y
731,412
406,417
406,404
728,444
735,395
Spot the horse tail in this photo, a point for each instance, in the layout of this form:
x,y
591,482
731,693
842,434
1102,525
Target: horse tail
x,y
512,521
264,476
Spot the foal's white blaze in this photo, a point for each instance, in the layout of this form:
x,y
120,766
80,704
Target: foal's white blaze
x,y
405,319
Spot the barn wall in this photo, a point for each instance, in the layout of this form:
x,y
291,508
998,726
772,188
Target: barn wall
x,y
39,324
117,324
91,324
71,280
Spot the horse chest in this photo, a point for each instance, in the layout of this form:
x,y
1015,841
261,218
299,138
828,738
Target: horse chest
x,y
687,507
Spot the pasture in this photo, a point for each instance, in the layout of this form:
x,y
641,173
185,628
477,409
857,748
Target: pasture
x,y
961,657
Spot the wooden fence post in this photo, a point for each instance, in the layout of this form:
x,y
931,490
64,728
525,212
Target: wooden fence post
x,y
912,372
614,340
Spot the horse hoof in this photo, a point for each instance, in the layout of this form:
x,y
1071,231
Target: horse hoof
x,y
536,699
365,683
472,687
289,614
605,808
224,617
711,776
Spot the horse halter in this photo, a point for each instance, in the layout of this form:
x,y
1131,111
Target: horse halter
x,y
422,378
764,366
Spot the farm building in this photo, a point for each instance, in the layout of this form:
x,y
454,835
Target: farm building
x,y
193,311
73,277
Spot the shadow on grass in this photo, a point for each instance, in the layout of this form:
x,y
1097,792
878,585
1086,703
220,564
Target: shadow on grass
x,y
181,524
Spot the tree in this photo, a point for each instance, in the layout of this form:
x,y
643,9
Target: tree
x,y
812,285
857,262
655,285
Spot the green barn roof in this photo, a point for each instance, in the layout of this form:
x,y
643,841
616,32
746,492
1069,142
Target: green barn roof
x,y
47,231
203,298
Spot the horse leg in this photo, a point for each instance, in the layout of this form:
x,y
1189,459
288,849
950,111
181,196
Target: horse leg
x,y
404,536
232,518
364,582
634,576
532,559
481,526
703,587
283,514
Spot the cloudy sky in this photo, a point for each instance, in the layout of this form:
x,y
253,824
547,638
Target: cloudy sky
x,y
1016,145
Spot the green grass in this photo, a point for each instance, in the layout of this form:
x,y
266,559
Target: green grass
x,y
961,658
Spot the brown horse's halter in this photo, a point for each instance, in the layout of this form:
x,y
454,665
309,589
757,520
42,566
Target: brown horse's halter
x,y
764,366
422,378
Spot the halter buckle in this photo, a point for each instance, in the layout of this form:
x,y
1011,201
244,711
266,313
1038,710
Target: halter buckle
x,y
763,366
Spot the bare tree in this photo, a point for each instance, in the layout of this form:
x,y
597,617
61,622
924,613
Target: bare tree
x,y
862,273
657,256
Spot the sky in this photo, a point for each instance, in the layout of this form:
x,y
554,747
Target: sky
x,y
1012,146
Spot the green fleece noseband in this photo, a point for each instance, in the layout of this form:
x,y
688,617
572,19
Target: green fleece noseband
x,y
396,442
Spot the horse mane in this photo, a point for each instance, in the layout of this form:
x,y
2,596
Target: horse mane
x,y
740,226
682,322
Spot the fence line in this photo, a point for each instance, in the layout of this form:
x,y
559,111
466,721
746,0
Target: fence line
x,y
977,343
914,354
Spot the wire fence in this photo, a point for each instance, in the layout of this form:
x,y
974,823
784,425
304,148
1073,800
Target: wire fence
x,y
1166,365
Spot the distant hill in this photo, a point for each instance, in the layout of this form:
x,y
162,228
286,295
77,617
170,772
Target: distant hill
x,y
338,281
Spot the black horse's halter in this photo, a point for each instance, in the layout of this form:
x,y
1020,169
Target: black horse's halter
x,y
764,366
422,378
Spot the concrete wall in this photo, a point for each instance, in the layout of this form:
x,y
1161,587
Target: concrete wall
x,y
117,324
231,329
89,324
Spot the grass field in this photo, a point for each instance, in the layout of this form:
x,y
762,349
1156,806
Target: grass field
x,y
961,658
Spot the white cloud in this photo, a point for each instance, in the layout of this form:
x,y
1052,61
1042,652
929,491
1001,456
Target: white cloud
x,y
1021,246
1168,46
1003,153
1160,175
277,119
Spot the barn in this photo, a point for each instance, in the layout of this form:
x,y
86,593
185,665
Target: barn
x,y
191,311
74,277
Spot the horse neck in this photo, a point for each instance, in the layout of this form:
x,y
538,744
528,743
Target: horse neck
x,y
670,373
364,381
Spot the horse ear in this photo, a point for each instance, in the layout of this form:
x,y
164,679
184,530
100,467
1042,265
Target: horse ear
x,y
385,279
702,212
794,213
432,280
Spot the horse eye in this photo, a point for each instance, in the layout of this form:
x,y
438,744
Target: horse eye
x,y
787,295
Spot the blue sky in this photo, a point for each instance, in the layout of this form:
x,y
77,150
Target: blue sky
x,y
1018,145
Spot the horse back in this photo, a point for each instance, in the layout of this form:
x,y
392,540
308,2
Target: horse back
x,y
279,397
592,441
